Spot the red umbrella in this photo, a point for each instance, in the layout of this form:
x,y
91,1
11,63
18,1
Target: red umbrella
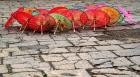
x,y
43,11
79,18
22,18
59,9
41,23
97,18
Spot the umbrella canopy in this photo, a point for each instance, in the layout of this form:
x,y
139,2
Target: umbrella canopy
x,y
113,13
38,23
63,22
43,11
58,10
97,18
79,18
22,17
29,10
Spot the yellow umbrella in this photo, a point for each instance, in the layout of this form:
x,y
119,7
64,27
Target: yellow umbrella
x,y
113,13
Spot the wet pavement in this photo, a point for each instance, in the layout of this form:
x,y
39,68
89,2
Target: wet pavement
x,y
111,52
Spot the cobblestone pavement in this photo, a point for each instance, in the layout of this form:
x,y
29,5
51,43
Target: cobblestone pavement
x,y
114,52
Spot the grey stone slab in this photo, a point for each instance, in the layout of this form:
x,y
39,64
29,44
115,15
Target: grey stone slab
x,y
133,45
121,61
110,47
24,74
102,54
71,56
65,64
135,59
52,57
26,43
83,64
127,52
3,69
68,73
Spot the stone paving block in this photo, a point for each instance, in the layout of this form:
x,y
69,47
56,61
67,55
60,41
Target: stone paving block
x,y
58,37
83,43
105,65
136,67
102,43
31,67
68,73
123,75
71,56
10,40
82,49
25,52
99,61
121,61
24,74
26,43
102,54
112,71
29,38
127,52
3,69
52,57
3,54
110,47
21,59
134,45
60,44
89,38
58,50
99,76
135,59
65,64
85,56
83,64
46,42
13,49
2,45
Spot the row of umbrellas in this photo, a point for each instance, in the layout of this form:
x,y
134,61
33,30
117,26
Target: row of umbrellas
x,y
64,18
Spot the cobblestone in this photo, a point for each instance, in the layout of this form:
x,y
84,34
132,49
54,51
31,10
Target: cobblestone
x,y
131,45
83,64
135,59
111,47
84,53
102,54
121,62
128,52
52,57
3,69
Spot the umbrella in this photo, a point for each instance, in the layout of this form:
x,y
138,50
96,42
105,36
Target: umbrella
x,y
128,16
113,13
29,10
79,18
37,23
43,11
63,23
22,18
41,23
97,18
58,10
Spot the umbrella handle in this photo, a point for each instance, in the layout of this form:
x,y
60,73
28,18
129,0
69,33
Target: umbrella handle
x,y
56,28
73,26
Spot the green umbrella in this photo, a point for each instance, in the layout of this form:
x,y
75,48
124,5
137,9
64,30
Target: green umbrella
x,y
63,23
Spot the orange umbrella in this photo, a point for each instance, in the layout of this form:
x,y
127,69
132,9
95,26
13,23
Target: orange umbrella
x,y
113,13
